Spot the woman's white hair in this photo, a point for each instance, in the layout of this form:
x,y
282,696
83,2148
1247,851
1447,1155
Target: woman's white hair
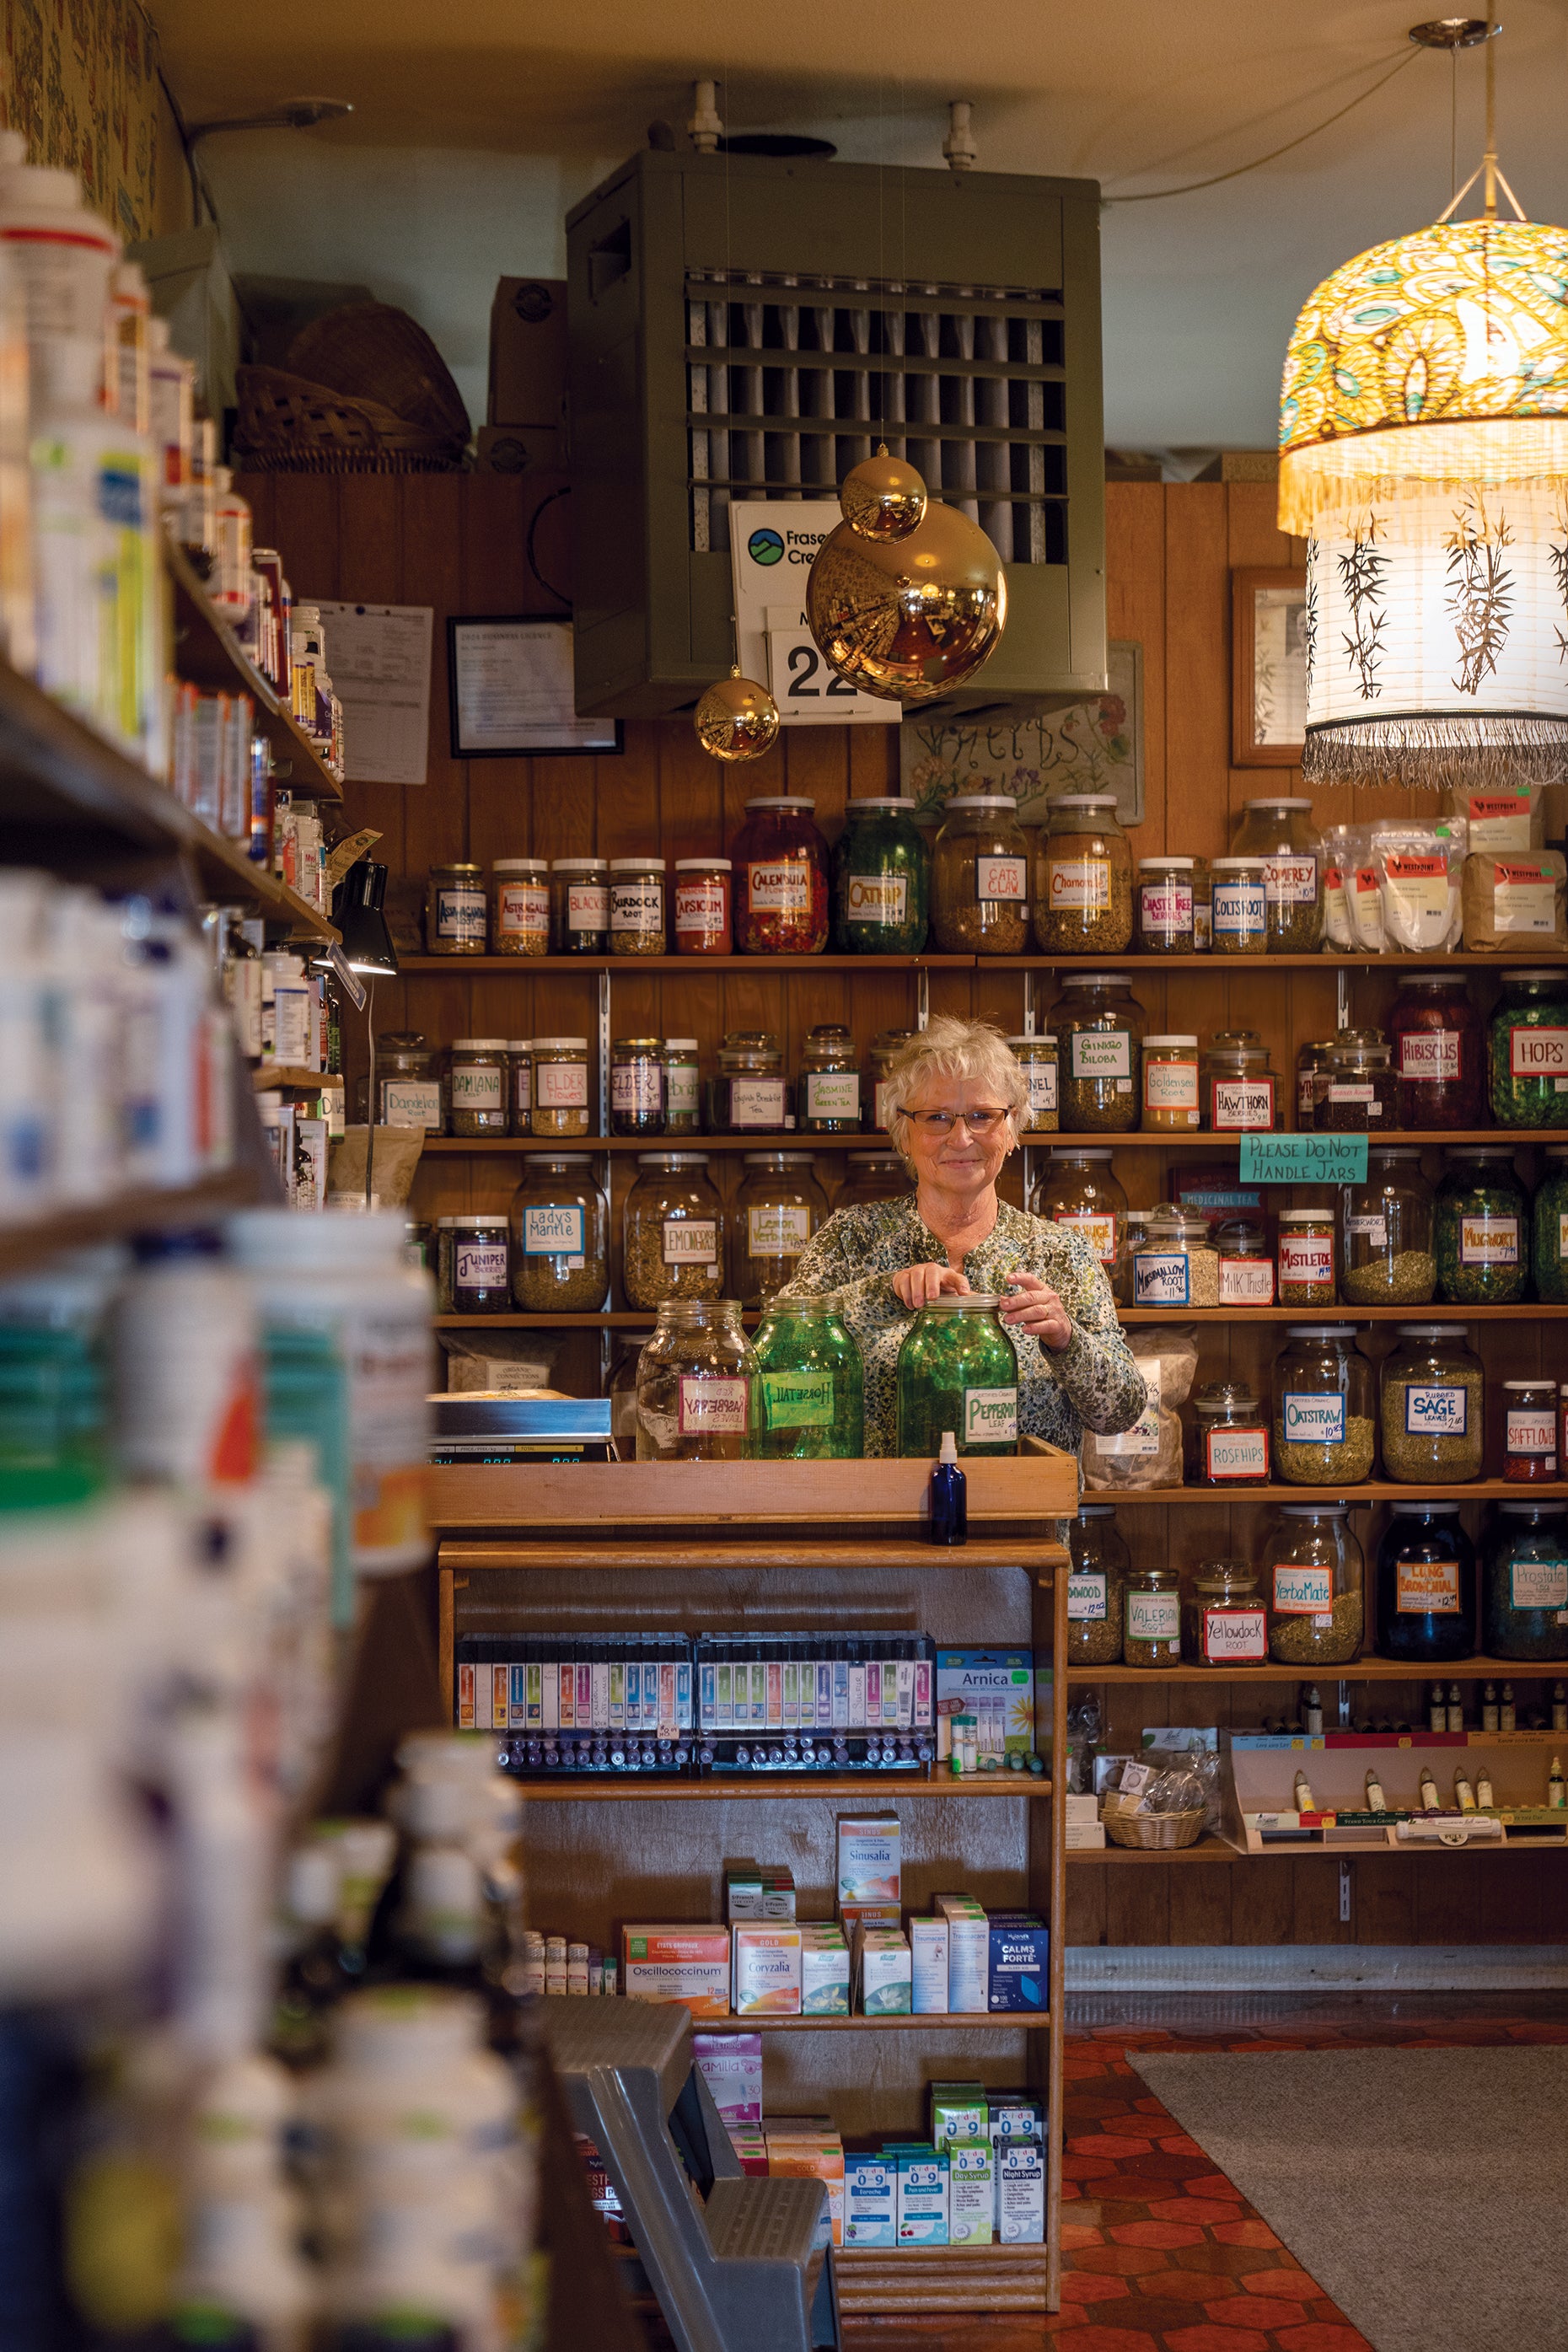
x,y
952,1049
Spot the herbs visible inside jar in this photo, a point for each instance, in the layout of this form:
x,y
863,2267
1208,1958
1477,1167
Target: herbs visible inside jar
x,y
1432,1425
1308,1641
1345,1462
1408,1279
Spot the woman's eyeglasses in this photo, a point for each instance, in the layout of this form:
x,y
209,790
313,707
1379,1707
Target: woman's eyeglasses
x,y
942,1122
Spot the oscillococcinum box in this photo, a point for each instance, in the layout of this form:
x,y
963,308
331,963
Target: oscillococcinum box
x,y
680,1962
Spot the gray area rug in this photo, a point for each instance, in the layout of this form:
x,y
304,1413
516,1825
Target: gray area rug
x,y
1423,2189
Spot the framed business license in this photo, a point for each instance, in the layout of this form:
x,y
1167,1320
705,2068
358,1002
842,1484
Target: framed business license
x,y
511,688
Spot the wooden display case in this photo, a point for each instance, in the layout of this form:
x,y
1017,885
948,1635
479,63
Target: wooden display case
x,y
704,1546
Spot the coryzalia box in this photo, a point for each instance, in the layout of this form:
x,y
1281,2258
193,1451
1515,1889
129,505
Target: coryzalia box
x,y
766,1980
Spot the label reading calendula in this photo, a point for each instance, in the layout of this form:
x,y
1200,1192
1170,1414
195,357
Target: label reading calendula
x,y
1086,1596
1426,1588
1429,1056
990,1416
779,887
798,1400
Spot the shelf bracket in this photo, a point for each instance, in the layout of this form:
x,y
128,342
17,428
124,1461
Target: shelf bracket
x,y
1341,999
605,1053
922,997
1345,1706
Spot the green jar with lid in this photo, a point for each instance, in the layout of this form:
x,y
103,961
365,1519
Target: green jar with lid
x,y
1527,1050
958,1370
1549,1227
882,880
810,1384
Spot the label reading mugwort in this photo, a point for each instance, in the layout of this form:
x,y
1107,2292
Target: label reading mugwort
x,y
1426,1588
877,898
1236,1453
1153,1617
777,1232
991,1416
1160,1279
1290,881
1234,1637
1246,1282
1001,878
1437,1412
1538,1583
1096,1230
1311,1418
713,1406
798,1400
1087,1593
1237,1104
549,1232
690,1241
1303,1591
1101,1054
1488,1241
1079,886
1430,1056
588,906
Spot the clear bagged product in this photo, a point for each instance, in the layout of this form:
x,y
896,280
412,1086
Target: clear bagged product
x,y
1364,897
1150,1453
1418,866
1344,853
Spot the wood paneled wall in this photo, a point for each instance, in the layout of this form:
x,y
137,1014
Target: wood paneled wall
x,y
458,543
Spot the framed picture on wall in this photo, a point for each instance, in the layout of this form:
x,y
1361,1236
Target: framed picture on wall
x,y
510,686
1268,667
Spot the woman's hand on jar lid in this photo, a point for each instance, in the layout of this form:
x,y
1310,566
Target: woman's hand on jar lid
x,y
1035,1308
914,1284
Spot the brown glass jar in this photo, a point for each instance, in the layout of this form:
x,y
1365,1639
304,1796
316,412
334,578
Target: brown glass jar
x,y
477,1075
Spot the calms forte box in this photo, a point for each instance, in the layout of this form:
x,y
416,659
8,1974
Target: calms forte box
x,y
1020,1956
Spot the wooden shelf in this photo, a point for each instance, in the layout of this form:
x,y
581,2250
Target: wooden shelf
x,y
623,1556
681,1503
1236,967
1434,1312
1226,967
698,967
1206,1849
22,1247
272,1077
867,1788
1475,1490
1010,2020
880,2283
1363,1670
208,654
800,1139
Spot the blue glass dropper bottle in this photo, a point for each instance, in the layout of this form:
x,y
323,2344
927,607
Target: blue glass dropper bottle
x,y
949,1495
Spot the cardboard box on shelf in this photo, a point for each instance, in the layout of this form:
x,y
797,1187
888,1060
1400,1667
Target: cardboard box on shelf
x,y
766,1976
823,1970
869,1860
528,351
732,2066
870,2193
679,1962
968,1953
802,2156
1021,2192
1018,1959
881,1972
958,2112
971,2194
997,1687
921,2204
927,1967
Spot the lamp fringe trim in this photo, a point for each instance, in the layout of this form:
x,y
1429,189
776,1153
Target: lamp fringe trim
x,y
1434,750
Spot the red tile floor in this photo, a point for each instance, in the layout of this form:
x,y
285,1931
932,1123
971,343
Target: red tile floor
x,y
1161,2253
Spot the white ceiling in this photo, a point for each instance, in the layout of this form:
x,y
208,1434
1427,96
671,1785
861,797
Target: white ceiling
x,y
476,128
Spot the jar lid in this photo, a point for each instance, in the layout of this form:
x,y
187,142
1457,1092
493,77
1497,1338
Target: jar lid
x,y
1543,1383
561,1045
1320,1330
966,1302
750,1057
894,800
980,801
637,865
1302,1216
779,1159
1479,1151
581,866
1424,1510
457,867
401,1040
1332,1510
1520,1510
1097,980
1273,803
520,866
1431,1330
1084,800
828,1029
782,799
680,1045
703,865
1097,1510
478,1044
672,1159
1225,1404
1431,980
562,1159
1550,972
1181,864
637,1045
1074,1151
1396,1151
1170,1040
875,1160
1222,1575
1230,864
470,1220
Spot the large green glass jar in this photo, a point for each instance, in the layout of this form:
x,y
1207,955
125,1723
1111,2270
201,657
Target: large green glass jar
x,y
810,1384
1527,1050
1482,1227
1549,1228
958,1370
1524,1583
882,880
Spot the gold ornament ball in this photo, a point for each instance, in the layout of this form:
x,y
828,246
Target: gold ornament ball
x,y
908,619
737,719
883,499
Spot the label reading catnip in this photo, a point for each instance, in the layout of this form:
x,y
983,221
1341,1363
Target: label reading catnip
x,y
548,1232
990,1416
1437,1412
877,898
798,1400
1311,1418
1086,1596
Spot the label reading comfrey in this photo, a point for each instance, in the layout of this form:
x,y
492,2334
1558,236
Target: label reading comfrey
x,y
1311,1418
990,1416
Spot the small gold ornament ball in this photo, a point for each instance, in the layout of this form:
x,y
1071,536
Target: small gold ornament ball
x,y
883,499
908,619
737,719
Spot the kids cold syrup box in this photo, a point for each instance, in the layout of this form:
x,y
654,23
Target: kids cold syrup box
x,y
1021,2192
870,2188
732,2066
922,2203
971,2193
958,2112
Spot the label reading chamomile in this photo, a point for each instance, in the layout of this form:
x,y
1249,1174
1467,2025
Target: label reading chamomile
x,y
990,1416
1079,886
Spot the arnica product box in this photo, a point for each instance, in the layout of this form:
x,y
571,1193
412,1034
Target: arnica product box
x,y
870,2190
1021,2192
995,1686
971,2193
868,1861
678,1963
922,2207
766,1981
1020,1952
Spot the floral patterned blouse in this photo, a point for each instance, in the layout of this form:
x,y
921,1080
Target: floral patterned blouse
x,y
1094,1382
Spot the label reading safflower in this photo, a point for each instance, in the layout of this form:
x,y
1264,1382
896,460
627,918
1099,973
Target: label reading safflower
x,y
1437,1412
780,1231
1488,1241
547,1232
1086,1589
1001,878
1530,1431
1079,886
1426,1588
1153,1617
1303,1591
990,1416
1311,1418
798,1400
713,1405
877,898
779,887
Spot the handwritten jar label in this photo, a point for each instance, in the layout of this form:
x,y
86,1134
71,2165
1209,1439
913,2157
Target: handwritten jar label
x,y
1235,1454
781,1232
1311,1418
714,1405
1086,1596
1303,1591
547,1232
1437,1412
1426,1588
690,1241
798,1400
1153,1617
1001,878
1234,1637
991,1416
877,898
1079,886
779,887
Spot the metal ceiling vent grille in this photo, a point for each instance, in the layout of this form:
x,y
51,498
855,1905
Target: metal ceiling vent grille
x,y
791,381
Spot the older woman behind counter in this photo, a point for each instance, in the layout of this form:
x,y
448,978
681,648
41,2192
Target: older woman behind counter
x,y
956,1097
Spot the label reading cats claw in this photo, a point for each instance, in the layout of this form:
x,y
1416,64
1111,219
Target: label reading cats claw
x,y
1001,878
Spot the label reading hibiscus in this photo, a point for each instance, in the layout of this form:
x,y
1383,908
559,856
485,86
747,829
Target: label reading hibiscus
x,y
1426,1588
1429,1056
1001,878
779,887
798,1400
1087,1591
714,1405
991,1416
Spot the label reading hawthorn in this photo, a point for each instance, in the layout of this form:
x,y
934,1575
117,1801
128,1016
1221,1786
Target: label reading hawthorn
x,y
1087,1589
798,1400
990,1416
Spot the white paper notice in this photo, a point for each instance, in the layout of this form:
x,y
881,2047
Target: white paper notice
x,y
378,657
513,683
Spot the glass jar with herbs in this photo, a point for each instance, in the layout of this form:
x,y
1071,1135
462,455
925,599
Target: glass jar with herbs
x,y
1439,1052
1239,907
1482,1222
520,1086
980,877
560,1224
682,1093
455,912
1386,1249
1176,1265
559,1087
1307,1257
697,1385
1280,831
1171,1105
780,862
1239,1086
1313,1570
1078,1191
1425,1586
1311,1077
1036,1058
702,907
1100,1025
580,905
472,1264
1246,1266
672,1231
1165,906
1151,1619
1529,1431
872,1176
1526,1047
887,1045
520,906
477,1073
622,1391
1433,1399
407,1090
827,1094
1324,1431
637,1085
810,1384
958,1370
1224,1621
749,1091
882,879
779,1207
638,926
1549,1227
1524,1582
1361,1093
1096,1583
1083,878
1229,1438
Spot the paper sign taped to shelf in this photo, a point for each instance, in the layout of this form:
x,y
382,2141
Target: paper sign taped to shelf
x,y
378,657
1303,1159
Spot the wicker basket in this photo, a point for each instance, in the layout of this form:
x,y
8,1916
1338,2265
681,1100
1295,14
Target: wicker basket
x,y
373,350
287,425
1153,1832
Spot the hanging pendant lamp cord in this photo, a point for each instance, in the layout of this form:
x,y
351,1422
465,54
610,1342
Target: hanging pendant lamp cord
x,y
1191,187
1491,157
